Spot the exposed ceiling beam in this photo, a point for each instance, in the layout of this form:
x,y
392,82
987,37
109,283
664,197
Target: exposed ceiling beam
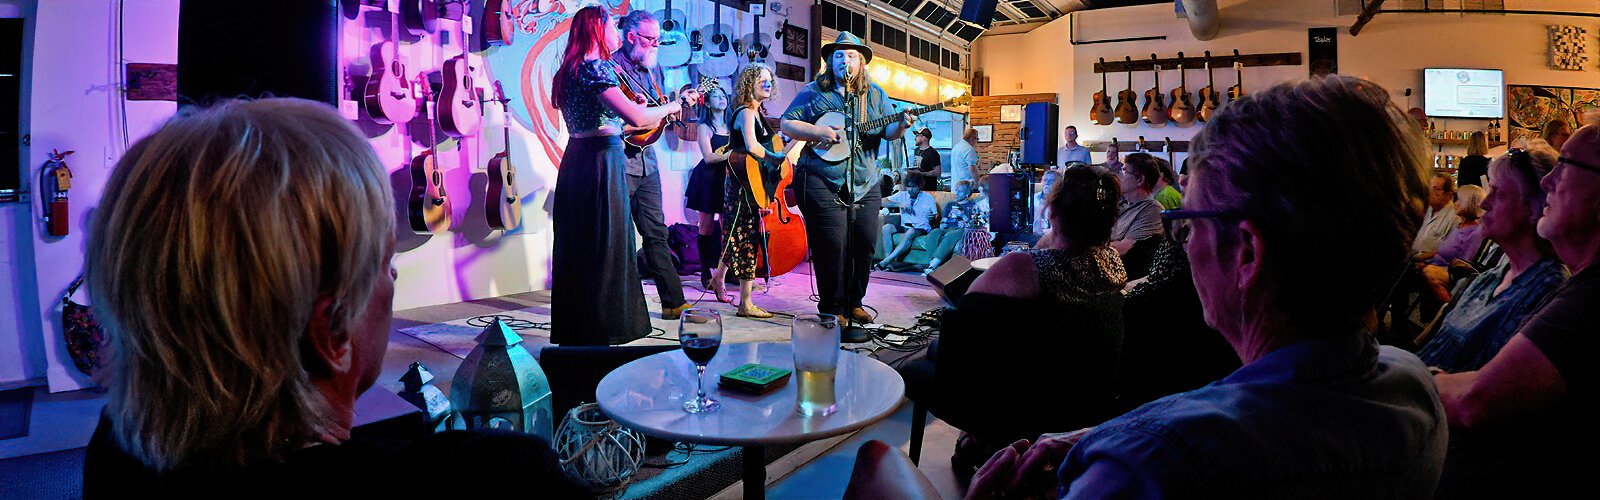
x,y
1365,17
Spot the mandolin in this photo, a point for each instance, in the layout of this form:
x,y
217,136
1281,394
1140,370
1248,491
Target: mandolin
x,y
840,151
428,207
1127,101
499,26
1100,113
388,96
502,207
1181,111
1209,98
1237,90
458,104
1155,106
634,91
673,47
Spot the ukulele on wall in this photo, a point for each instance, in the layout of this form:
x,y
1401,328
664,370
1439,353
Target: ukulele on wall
x,y
388,96
1209,98
1127,101
428,207
1155,106
1237,90
1181,111
502,207
1100,113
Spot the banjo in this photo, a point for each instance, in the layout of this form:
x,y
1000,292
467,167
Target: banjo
x,y
839,151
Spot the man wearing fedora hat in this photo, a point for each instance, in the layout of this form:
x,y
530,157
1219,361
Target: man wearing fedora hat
x,y
840,201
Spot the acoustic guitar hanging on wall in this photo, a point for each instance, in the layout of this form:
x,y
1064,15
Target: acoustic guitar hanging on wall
x,y
1127,101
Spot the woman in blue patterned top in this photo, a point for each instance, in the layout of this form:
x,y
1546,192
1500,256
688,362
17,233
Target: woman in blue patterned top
x,y
593,268
1494,306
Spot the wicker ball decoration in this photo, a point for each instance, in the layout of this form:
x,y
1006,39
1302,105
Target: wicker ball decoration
x,y
598,450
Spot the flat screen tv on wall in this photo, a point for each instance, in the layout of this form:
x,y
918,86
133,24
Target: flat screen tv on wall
x,y
1464,93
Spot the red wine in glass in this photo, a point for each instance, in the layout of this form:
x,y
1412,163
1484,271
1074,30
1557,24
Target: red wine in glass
x,y
700,350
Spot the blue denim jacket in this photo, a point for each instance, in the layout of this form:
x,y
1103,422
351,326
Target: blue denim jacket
x,y
1329,418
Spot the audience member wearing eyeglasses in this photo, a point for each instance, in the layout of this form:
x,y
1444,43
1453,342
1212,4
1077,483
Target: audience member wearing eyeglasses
x,y
1517,425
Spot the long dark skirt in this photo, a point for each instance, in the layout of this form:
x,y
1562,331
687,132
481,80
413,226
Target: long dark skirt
x,y
596,298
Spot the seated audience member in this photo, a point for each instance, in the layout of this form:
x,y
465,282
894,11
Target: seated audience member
x,y
240,261
1167,347
1318,408
1459,247
1041,208
1489,311
1440,218
1079,280
1517,427
1167,193
917,209
965,214
1138,228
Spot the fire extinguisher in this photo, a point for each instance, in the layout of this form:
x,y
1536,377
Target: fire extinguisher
x,y
55,178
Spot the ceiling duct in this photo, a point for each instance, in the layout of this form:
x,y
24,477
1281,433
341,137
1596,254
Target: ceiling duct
x,y
1202,14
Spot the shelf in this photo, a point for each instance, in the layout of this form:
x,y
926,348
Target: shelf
x,y
1197,62
1461,142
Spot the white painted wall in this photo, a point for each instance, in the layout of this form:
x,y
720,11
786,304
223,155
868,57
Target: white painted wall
x,y
1392,50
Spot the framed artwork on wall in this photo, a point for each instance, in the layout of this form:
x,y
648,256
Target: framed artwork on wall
x,y
1011,113
985,132
1530,107
796,41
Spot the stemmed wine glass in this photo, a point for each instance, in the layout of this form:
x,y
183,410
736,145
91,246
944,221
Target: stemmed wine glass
x,y
700,332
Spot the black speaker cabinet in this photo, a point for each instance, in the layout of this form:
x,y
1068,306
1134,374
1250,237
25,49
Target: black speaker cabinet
x,y
1039,133
284,48
1011,203
979,12
952,278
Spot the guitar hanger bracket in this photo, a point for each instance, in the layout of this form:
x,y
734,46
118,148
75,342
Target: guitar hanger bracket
x,y
1218,61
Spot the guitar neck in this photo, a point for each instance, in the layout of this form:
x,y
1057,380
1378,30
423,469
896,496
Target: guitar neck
x,y
886,120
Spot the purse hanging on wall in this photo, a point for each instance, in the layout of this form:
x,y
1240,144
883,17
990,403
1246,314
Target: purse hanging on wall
x,y
86,341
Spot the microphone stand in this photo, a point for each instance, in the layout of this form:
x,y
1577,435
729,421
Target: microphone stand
x,y
853,106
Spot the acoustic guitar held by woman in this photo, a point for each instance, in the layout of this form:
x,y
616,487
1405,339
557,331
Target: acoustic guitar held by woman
x,y
1182,110
1127,101
1100,113
1155,105
1209,98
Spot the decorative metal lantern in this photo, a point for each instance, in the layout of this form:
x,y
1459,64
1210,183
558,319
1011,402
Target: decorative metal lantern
x,y
597,449
420,392
500,386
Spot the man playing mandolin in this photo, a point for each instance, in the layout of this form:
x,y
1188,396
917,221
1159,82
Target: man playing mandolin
x,y
641,38
840,201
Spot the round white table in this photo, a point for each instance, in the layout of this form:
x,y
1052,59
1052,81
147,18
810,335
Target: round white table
x,y
648,395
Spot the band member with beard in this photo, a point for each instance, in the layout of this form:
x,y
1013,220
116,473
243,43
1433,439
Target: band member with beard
x,y
596,297
840,201
641,33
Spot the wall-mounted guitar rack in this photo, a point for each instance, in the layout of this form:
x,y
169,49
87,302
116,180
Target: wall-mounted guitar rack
x,y
1162,145
1198,61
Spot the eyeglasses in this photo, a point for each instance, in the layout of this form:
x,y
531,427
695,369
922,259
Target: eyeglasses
x,y
1583,165
1181,231
652,41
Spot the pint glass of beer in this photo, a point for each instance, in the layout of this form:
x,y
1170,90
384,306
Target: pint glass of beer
x,y
816,359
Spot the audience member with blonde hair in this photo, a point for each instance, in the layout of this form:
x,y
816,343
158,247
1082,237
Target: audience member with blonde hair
x,y
1473,166
1488,312
240,261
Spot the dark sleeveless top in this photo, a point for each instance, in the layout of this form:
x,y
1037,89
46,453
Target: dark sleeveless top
x,y
736,133
1079,277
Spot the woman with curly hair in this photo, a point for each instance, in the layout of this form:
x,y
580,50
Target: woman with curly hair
x,y
741,216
